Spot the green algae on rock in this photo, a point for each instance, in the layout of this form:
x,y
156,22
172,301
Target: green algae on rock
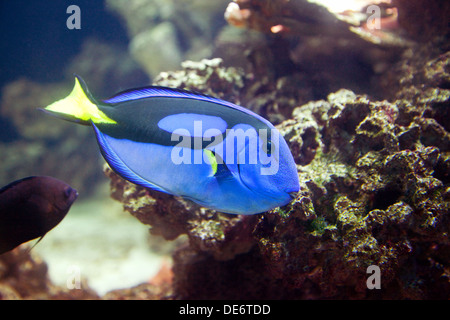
x,y
374,192
374,176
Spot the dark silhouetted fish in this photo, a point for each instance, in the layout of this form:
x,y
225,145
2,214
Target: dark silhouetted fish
x,y
31,207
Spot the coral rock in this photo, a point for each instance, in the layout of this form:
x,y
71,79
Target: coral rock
x,y
374,192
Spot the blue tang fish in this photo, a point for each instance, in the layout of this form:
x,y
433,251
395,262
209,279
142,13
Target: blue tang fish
x,y
215,153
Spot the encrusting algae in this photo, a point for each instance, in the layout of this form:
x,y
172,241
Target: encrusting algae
x,y
367,199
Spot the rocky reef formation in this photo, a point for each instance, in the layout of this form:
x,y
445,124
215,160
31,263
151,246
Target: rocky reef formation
x,y
374,178
424,20
374,173
299,51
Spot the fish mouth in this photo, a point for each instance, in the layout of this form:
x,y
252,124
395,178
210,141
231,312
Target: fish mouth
x,y
71,195
74,195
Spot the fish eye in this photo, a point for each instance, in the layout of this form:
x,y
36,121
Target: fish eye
x,y
68,192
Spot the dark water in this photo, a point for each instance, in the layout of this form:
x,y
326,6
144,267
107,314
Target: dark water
x,y
36,42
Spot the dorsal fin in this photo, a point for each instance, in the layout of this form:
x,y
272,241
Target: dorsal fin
x,y
159,91
165,92
12,184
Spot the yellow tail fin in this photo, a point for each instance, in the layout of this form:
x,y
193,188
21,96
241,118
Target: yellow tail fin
x,y
77,107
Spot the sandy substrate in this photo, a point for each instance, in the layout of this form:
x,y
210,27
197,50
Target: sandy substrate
x,y
100,243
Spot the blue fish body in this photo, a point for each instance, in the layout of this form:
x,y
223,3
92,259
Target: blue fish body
x,y
215,153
